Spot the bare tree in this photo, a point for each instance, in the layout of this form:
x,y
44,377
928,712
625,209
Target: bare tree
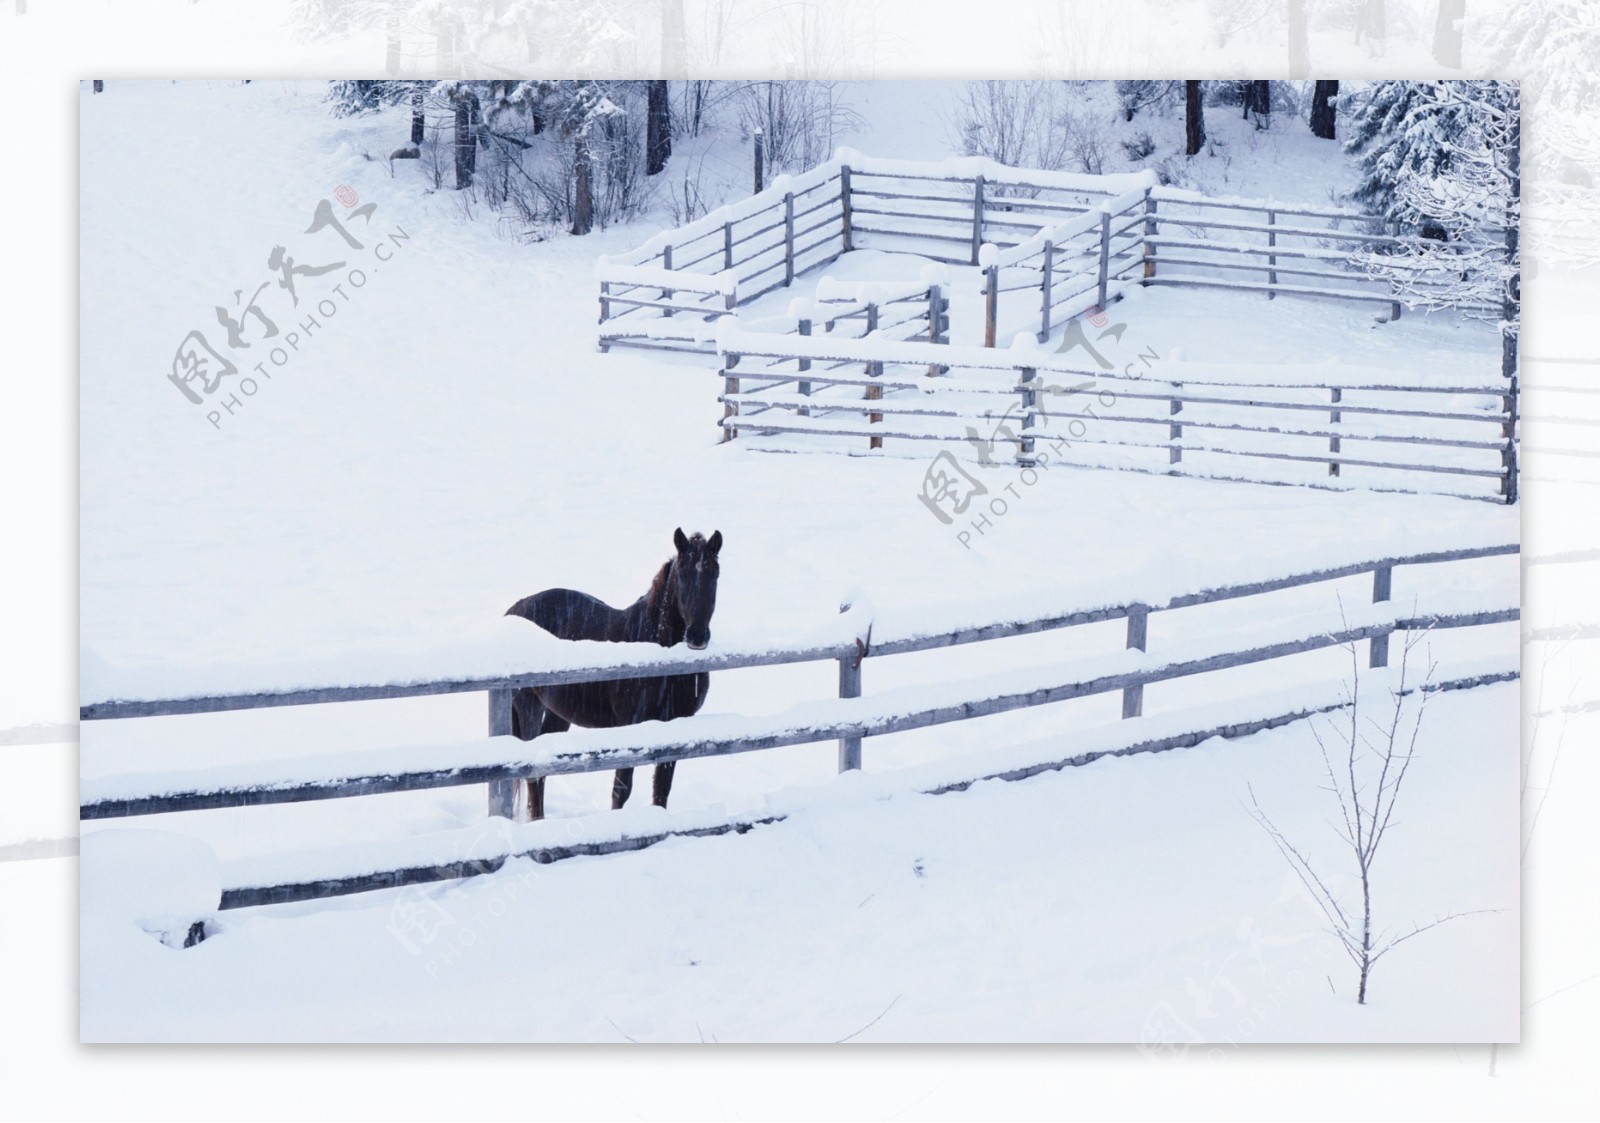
x,y
674,41
1365,764
800,120
1021,124
1299,46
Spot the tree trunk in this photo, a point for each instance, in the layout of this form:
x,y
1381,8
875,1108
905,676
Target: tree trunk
x,y
466,141
1322,109
1447,33
1374,23
1194,123
444,49
417,121
1299,46
674,43
582,185
1261,103
1511,306
658,129
392,55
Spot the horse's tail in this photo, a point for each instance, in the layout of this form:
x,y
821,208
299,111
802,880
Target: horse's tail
x,y
527,713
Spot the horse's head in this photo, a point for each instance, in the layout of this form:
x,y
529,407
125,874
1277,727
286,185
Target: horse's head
x,y
695,576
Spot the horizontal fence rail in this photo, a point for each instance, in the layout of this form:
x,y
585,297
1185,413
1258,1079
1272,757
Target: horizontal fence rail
x,y
499,760
847,720
1396,431
1076,241
1047,248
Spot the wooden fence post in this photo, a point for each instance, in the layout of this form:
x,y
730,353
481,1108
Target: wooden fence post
x,y
502,793
788,238
874,370
730,385
1044,302
991,303
850,687
937,324
1025,457
977,217
1508,453
1138,626
1333,419
844,202
1105,253
727,245
605,305
1379,644
804,328
1175,429
1272,259
666,263
759,155
1149,234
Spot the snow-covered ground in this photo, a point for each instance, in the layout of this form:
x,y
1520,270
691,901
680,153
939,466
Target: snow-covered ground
x,y
447,439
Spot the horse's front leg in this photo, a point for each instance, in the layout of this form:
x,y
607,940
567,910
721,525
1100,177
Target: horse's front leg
x,y
663,783
621,788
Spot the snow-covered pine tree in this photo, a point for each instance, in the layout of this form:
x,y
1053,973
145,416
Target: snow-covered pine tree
x,y
1400,129
1442,160
1554,43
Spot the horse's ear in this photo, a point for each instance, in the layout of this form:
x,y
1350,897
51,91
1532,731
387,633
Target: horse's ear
x,y
716,541
679,540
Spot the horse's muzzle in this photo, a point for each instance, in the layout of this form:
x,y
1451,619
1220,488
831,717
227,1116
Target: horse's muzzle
x,y
697,643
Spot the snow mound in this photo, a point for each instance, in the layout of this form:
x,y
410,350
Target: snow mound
x,y
155,881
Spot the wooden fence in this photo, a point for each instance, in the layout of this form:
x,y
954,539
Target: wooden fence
x,y
1072,241
1395,431
500,761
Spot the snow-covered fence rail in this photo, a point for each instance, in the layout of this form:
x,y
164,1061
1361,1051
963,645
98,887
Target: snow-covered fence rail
x,y
499,760
1252,245
1313,425
739,252
1079,240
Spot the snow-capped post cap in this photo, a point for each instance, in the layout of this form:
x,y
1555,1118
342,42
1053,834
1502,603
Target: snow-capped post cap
x,y
857,608
846,155
1024,341
988,254
801,308
934,273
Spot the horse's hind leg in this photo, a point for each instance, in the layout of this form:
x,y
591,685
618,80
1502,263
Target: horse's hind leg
x,y
663,783
529,718
621,788
550,723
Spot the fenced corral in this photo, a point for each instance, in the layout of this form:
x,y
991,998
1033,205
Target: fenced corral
x,y
1071,241
1043,248
499,761
1318,426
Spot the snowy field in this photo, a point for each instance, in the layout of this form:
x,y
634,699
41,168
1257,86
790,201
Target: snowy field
x,y
448,440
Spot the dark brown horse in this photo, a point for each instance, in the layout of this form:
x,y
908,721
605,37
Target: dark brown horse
x,y
677,609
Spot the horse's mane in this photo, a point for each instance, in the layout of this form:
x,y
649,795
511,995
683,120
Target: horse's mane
x,y
660,604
